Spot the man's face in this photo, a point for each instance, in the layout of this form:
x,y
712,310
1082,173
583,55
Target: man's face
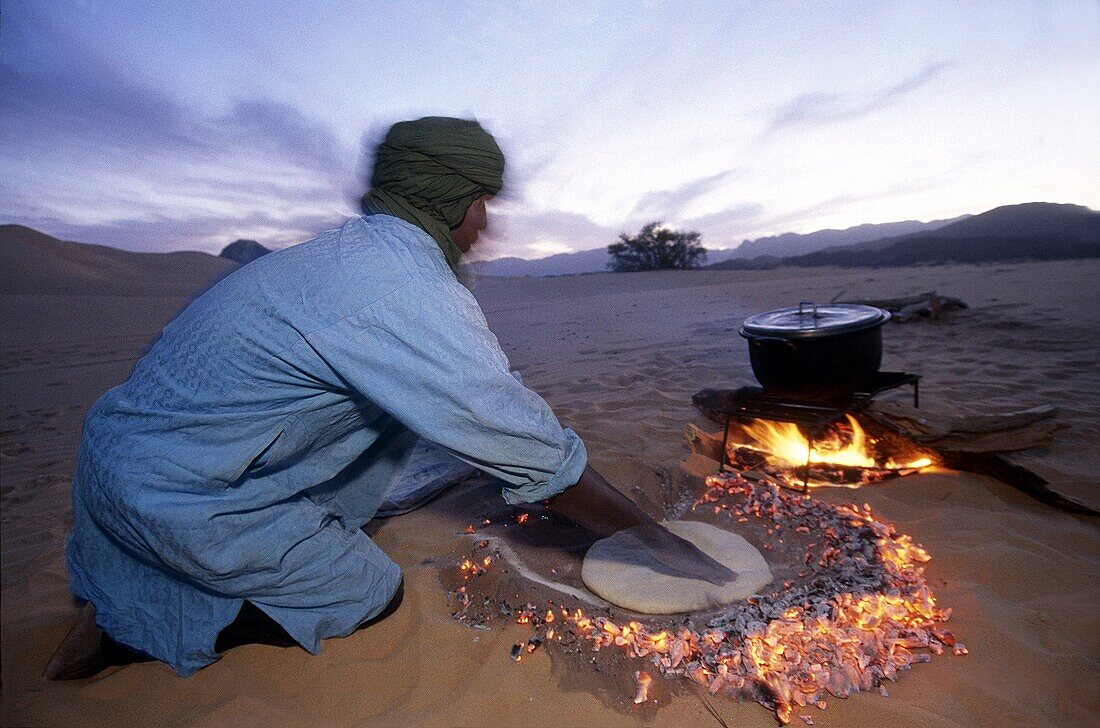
x,y
477,218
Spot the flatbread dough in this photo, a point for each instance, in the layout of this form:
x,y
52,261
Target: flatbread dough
x,y
619,569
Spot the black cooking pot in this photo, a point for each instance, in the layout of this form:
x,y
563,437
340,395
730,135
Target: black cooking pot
x,y
811,346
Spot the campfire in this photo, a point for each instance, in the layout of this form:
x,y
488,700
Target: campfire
x,y
812,441
857,612
808,439
842,455
849,608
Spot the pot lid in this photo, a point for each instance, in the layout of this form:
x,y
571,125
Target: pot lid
x,y
810,320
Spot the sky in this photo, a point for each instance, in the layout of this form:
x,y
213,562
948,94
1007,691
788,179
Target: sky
x,y
161,126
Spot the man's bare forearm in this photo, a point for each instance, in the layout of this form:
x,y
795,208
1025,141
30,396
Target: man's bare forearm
x,y
598,506
595,504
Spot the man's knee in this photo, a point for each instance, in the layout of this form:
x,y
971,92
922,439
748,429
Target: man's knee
x,y
390,608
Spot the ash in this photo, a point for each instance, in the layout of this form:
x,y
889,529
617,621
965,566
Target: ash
x,y
850,561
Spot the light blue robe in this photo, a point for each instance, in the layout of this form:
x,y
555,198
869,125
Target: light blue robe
x,y
260,433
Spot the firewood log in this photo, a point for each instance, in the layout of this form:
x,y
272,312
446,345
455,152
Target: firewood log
x,y
703,443
909,308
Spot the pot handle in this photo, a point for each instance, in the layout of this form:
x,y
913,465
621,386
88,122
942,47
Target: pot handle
x,y
757,340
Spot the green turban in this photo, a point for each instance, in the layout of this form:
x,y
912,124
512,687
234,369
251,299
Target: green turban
x,y
428,172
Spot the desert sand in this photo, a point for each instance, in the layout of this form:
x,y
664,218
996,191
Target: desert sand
x,y
618,358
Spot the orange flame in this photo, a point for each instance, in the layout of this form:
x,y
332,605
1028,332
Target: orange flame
x,y
784,445
784,442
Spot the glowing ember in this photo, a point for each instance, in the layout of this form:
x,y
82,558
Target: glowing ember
x,y
917,464
863,613
469,568
786,452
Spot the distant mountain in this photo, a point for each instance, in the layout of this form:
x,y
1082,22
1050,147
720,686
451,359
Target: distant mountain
x,y
776,246
1030,231
32,262
35,263
585,261
789,244
1030,219
564,264
244,251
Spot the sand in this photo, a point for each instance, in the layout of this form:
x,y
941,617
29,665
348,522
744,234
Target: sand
x,y
617,357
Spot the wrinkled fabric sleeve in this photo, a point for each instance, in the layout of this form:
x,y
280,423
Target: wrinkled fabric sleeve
x,y
425,354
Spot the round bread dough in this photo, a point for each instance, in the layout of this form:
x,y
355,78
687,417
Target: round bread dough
x,y
622,571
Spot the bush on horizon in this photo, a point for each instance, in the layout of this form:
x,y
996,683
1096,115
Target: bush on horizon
x,y
656,248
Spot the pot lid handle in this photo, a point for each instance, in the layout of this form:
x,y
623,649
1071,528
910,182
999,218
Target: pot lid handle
x,y
803,304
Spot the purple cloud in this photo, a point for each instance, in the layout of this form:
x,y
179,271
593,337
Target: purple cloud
x,y
817,108
85,141
515,231
669,204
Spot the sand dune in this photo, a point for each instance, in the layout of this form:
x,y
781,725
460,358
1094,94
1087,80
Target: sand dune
x,y
35,263
617,357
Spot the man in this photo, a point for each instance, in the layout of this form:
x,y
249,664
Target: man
x,y
230,476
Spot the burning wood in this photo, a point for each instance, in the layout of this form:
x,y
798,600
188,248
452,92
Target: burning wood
x,y
843,455
862,613
782,443
973,443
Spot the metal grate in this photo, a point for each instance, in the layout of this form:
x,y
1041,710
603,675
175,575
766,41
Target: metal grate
x,y
812,407
813,410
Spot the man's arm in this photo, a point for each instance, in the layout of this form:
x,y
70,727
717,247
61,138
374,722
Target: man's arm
x,y
597,505
440,371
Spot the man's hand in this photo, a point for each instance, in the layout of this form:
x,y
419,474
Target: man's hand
x,y
597,505
681,557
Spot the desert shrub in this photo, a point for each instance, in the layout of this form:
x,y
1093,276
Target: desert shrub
x,y
656,247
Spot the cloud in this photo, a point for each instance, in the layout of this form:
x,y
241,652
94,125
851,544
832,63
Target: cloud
x,y
91,151
747,220
283,133
810,109
515,230
727,227
818,108
670,204
87,107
